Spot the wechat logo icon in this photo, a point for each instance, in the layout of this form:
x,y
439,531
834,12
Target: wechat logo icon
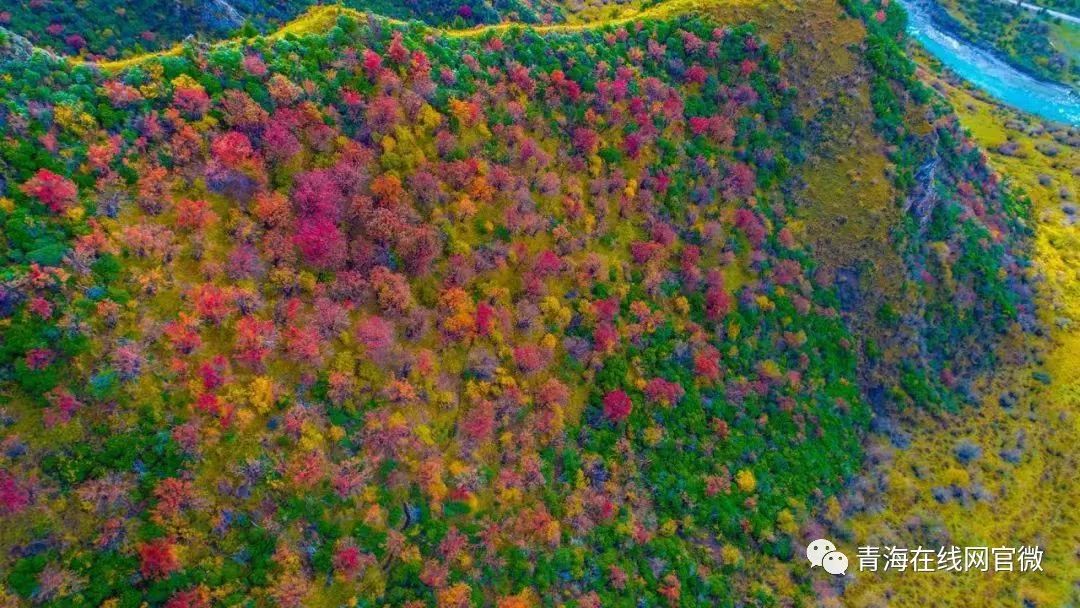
x,y
823,553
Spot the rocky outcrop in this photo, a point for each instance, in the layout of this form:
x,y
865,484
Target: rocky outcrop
x,y
219,14
14,47
211,15
923,197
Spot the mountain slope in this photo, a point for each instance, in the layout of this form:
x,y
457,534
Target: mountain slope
x,y
1001,474
104,29
367,312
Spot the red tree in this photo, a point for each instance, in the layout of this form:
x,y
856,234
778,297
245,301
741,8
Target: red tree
x,y
13,497
199,597
54,191
375,333
321,243
664,392
158,558
232,149
617,406
739,182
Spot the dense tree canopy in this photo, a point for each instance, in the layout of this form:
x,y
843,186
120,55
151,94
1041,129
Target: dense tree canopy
x,y
389,317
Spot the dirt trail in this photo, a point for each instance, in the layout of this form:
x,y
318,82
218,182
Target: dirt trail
x,y
1039,9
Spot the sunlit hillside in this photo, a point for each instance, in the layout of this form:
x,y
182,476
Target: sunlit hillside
x,y
523,304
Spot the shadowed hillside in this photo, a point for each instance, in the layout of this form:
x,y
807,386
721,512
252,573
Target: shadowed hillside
x,y
1002,473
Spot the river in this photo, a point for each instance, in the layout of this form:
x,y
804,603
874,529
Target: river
x,y
991,74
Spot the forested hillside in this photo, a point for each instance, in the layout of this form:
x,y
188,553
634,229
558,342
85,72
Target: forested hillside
x,y
121,28
374,313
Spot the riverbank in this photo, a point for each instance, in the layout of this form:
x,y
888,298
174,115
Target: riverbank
x,y
1042,9
990,73
948,23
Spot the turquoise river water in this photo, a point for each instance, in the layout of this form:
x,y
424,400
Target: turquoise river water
x,y
986,71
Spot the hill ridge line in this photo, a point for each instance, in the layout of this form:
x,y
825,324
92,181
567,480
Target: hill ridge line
x,y
319,18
